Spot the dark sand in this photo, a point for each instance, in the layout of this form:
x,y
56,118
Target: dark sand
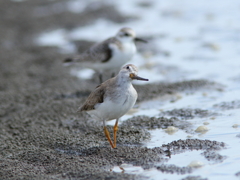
x,y
42,136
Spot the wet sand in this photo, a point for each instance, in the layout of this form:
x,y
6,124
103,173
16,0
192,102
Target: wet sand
x,y
42,136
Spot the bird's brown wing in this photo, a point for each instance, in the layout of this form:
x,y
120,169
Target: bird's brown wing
x,y
94,98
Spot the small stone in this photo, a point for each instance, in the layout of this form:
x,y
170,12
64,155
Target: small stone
x,y
235,125
196,164
206,123
171,130
212,46
201,129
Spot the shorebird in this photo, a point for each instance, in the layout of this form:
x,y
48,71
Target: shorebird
x,y
109,55
113,98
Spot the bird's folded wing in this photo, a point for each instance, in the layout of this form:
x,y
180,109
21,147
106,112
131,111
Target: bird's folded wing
x,y
94,98
100,52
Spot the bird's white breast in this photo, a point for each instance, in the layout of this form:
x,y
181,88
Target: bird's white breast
x,y
117,105
121,56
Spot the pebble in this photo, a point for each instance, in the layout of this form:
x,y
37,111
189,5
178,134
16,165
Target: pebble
x,y
201,129
196,164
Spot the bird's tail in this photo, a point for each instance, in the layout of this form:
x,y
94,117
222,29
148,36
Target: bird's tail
x,y
69,61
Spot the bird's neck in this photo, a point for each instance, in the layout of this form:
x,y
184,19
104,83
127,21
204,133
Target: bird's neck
x,y
125,40
123,82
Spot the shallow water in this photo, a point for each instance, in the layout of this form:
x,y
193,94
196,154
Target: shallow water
x,y
202,39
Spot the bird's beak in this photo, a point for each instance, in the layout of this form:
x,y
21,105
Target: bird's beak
x,y
139,39
133,76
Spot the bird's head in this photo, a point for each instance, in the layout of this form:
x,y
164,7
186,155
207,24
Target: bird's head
x,y
131,72
127,34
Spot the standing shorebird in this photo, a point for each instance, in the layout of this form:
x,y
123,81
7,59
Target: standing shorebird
x,y
113,98
109,55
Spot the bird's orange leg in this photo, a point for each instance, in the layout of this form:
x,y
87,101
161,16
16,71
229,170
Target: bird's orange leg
x,y
108,136
115,128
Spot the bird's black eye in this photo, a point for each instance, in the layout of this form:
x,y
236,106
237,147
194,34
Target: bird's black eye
x,y
127,67
126,34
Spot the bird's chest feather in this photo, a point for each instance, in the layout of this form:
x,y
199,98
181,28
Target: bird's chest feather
x,y
124,52
125,97
128,49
